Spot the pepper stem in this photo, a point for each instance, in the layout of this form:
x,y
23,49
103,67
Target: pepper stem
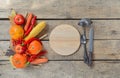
x,y
22,44
27,63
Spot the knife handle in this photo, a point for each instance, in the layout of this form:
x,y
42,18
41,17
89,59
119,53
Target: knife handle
x,y
90,58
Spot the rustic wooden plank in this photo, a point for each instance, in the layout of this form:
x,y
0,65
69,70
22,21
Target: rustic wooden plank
x,y
63,8
104,29
64,69
4,26
103,49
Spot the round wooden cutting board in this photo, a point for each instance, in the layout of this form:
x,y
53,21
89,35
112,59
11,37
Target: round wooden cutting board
x,y
64,39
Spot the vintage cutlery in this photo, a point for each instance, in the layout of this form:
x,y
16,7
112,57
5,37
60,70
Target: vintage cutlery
x,y
85,23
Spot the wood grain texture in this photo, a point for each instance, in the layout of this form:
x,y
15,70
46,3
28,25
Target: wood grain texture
x,y
63,8
106,43
103,50
104,29
64,69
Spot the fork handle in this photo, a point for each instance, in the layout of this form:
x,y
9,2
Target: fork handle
x,y
86,58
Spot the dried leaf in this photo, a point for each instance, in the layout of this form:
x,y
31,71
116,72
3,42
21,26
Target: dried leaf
x,y
9,52
13,13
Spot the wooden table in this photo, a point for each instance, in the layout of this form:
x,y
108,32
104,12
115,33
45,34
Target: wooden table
x,y
105,15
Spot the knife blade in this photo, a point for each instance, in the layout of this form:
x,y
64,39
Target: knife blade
x,y
90,49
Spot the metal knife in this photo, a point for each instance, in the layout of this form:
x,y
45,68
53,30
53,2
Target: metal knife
x,y
90,49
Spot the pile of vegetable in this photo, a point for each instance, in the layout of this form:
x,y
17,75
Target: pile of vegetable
x,y
28,49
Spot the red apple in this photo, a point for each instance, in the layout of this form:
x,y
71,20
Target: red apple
x,y
19,19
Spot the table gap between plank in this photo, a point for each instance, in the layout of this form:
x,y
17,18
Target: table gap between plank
x,y
48,39
99,60
69,18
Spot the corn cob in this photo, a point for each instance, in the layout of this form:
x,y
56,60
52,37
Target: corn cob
x,y
36,30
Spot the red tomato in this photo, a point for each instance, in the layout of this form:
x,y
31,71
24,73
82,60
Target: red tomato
x,y
19,19
20,49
